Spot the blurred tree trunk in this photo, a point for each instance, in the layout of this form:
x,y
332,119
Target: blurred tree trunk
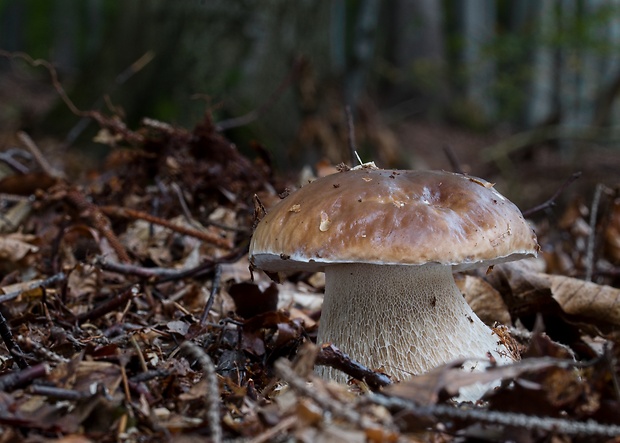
x,y
364,39
477,23
418,50
66,35
11,35
540,103
568,84
608,106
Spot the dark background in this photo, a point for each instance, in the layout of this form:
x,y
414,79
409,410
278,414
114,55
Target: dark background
x,y
523,93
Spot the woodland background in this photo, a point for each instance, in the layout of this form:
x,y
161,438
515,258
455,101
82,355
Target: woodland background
x,y
418,76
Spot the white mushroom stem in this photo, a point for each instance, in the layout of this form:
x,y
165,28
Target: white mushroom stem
x,y
405,320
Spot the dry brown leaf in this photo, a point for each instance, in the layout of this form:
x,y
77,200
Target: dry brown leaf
x,y
526,288
485,300
450,378
597,303
14,247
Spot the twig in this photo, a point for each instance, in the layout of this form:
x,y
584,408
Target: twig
x,y
56,278
38,156
121,78
330,355
57,393
21,378
41,350
111,123
186,212
136,346
453,159
530,422
551,201
163,275
589,264
99,221
14,198
213,394
351,135
133,214
50,69
266,106
11,344
215,286
138,271
338,409
110,305
149,375
270,433
8,157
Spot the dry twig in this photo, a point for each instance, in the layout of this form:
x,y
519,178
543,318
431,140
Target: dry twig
x,y
133,214
213,395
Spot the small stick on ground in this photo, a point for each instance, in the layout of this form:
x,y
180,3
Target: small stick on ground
x,y
285,371
266,106
8,158
551,201
213,394
21,378
330,355
215,286
133,214
163,275
99,221
589,262
57,393
110,305
11,344
138,271
56,278
38,156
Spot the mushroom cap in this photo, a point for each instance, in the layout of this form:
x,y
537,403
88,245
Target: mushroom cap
x,y
379,216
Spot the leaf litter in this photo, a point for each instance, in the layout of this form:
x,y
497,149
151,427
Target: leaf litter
x,y
129,313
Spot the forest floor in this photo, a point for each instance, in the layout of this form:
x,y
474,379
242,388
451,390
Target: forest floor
x,y
128,311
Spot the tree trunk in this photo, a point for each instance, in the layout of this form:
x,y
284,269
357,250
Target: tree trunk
x,y
478,19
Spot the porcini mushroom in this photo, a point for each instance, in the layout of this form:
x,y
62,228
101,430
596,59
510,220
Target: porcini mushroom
x,y
388,242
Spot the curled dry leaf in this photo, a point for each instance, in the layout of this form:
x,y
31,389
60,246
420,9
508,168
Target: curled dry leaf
x,y
527,289
484,299
426,389
14,247
599,304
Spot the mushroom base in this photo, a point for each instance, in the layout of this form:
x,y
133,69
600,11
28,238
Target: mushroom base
x,y
404,320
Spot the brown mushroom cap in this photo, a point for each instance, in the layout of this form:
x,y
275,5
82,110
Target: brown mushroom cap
x,y
400,217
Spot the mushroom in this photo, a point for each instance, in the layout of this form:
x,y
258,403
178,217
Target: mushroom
x,y
388,242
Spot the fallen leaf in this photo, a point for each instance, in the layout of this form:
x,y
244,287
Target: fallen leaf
x,y
14,247
485,300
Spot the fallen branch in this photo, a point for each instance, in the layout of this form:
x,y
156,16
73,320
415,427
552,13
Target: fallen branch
x,y
110,305
213,394
330,355
589,428
139,215
56,278
98,219
162,275
21,378
551,201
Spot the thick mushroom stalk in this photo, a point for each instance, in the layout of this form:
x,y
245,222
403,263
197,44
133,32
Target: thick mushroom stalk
x,y
405,320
